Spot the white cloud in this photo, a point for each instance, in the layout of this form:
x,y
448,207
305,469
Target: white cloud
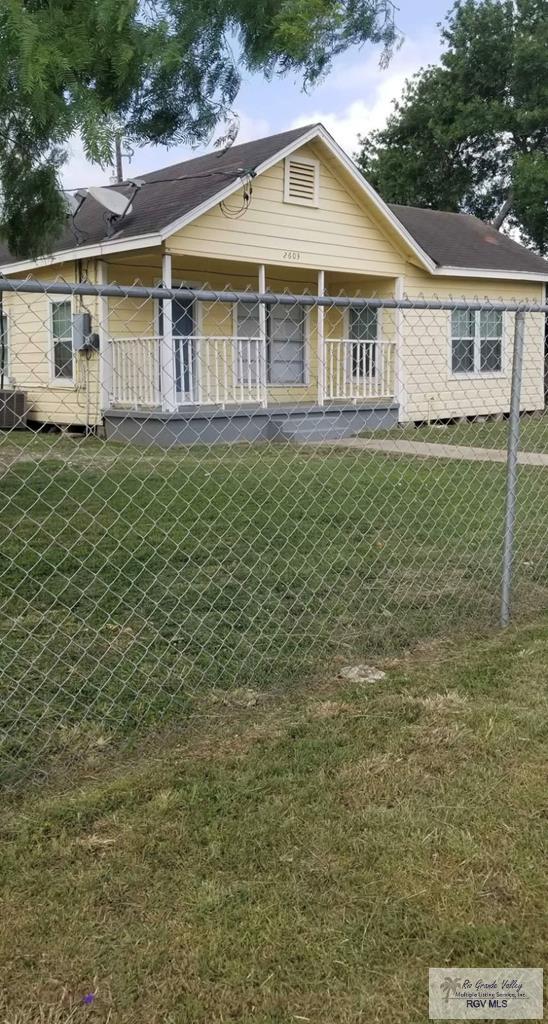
x,y
345,126
376,90
78,172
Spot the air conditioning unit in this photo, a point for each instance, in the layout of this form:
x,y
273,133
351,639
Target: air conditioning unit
x,y
13,410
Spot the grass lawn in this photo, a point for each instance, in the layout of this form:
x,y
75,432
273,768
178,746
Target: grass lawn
x,y
491,434
133,584
306,859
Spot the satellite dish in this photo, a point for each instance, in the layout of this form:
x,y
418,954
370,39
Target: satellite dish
x,y
116,202
74,202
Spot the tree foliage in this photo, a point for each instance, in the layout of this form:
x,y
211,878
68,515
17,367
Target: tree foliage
x,y
471,134
162,71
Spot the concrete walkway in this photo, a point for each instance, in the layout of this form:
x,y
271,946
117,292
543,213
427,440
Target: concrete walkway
x,y
424,449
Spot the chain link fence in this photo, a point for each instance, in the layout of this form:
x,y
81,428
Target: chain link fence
x,y
209,496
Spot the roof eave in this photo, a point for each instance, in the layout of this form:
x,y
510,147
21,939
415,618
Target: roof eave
x,y
501,275
84,252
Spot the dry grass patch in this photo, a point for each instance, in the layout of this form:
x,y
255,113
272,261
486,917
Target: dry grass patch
x,y
300,859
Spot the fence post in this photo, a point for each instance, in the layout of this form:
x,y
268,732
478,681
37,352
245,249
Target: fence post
x,y
321,340
512,467
263,382
106,369
167,351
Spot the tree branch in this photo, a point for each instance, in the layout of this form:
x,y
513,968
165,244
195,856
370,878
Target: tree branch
x,y
501,216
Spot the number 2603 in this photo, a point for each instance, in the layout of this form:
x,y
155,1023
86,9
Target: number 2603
x,y
291,254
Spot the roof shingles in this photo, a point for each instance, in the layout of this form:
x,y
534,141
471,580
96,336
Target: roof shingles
x,y
450,239
460,240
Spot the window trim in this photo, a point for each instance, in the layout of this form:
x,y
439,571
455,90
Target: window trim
x,y
477,374
60,382
312,162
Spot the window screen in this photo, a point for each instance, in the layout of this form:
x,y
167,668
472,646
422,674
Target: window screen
x,y
285,344
490,333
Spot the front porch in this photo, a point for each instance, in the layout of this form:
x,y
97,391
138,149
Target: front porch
x,y
232,366
234,371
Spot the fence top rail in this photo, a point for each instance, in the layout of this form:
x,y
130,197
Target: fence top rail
x,y
30,286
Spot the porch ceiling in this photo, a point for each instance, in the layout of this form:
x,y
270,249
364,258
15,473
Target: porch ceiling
x,y
146,265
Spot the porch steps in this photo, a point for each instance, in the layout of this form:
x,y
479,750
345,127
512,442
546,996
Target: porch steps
x,y
325,432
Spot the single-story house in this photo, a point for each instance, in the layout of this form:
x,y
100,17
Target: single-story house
x,y
287,213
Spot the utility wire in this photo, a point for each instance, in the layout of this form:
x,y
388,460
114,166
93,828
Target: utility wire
x,y
235,172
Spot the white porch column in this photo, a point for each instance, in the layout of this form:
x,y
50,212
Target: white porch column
x,y
262,335
399,359
105,342
167,352
321,340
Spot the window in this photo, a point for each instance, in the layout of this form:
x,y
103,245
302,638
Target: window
x,y
61,333
285,339
476,341
363,327
302,181
285,344
4,350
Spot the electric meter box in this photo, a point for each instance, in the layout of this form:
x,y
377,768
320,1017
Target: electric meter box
x,y
81,330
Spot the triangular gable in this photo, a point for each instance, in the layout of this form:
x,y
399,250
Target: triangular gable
x,y
337,227
334,162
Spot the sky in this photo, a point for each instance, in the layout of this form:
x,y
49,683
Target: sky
x,y
355,98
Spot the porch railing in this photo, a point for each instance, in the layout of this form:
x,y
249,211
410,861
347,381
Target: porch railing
x,y
359,370
221,370
136,372
227,370
216,370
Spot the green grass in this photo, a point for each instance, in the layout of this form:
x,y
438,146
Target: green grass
x,y
132,583
304,859
491,434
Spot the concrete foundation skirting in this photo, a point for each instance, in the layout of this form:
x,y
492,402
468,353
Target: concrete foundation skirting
x,y
208,425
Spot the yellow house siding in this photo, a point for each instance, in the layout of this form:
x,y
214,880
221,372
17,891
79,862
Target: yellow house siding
x,y
339,234
29,319
128,316
342,237
427,387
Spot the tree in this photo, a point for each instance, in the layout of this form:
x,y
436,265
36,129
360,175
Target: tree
x,y
471,134
160,71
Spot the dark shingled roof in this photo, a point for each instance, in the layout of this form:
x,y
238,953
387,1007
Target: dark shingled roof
x,y
450,239
164,200
460,240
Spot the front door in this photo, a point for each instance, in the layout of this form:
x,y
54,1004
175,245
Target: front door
x,y
186,385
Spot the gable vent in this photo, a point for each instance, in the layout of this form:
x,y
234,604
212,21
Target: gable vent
x,y
302,179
